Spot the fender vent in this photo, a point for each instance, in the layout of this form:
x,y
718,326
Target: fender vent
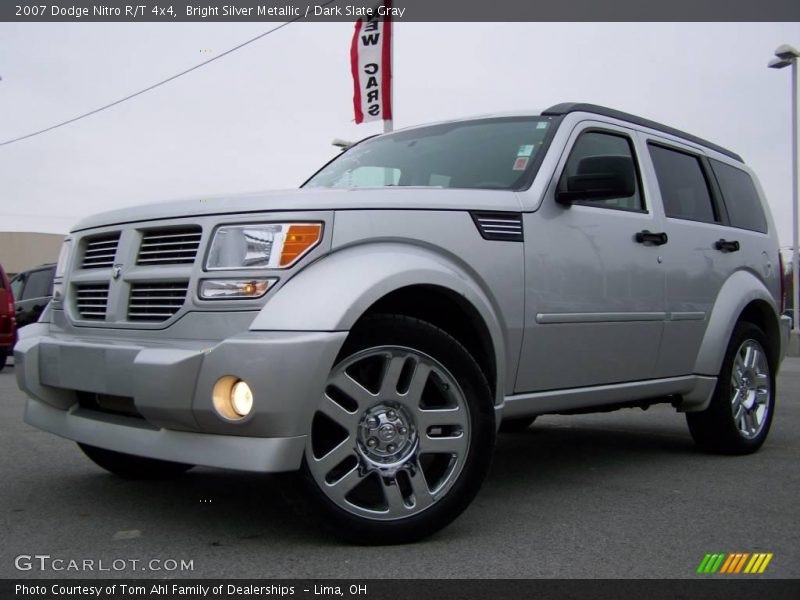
x,y
499,226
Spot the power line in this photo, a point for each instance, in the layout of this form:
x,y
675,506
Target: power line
x,y
159,84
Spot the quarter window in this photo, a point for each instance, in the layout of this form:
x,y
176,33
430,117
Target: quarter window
x,y
740,197
684,189
609,152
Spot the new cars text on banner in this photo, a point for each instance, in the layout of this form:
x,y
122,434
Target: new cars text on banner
x,y
371,64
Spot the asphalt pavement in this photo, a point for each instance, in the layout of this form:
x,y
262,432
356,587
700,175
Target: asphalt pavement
x,y
621,494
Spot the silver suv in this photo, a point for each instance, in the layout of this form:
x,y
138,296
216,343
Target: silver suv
x,y
375,328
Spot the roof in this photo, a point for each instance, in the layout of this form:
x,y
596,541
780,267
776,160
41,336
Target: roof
x,y
570,107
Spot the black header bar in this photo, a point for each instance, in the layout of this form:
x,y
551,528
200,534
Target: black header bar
x,y
173,11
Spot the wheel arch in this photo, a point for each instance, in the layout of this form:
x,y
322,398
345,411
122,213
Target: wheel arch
x,y
341,289
743,297
447,310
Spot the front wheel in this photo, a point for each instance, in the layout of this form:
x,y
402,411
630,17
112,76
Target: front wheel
x,y
133,467
403,435
739,416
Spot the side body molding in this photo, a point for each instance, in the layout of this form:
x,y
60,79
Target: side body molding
x,y
736,293
332,293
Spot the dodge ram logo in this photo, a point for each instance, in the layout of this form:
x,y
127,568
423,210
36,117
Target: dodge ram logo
x,y
116,271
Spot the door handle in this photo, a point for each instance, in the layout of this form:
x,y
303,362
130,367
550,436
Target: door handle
x,y
648,237
726,245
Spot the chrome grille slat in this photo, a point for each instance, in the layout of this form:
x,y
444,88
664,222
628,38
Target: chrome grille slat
x,y
169,247
91,300
99,251
188,233
155,301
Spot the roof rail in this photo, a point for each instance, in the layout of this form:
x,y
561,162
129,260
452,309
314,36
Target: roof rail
x,y
570,107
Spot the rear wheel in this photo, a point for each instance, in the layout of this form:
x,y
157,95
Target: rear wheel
x,y
403,435
133,467
739,416
3,358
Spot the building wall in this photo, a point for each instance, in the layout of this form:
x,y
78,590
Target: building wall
x,y
21,250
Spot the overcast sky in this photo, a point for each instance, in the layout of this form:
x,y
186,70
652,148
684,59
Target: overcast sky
x,y
264,116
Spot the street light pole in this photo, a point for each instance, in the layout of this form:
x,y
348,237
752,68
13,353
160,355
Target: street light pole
x,y
788,56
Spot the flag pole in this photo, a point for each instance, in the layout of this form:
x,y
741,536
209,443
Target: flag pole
x,y
388,124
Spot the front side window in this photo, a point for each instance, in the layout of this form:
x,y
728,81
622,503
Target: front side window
x,y
740,197
683,185
607,153
499,153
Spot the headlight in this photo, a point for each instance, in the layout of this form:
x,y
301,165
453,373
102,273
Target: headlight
x,y
63,257
261,245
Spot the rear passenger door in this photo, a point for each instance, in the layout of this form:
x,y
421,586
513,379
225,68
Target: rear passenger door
x,y
704,248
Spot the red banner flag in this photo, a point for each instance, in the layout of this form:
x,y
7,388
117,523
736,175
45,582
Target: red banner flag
x,y
371,65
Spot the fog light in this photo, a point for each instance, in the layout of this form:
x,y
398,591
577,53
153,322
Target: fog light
x,y
241,398
233,398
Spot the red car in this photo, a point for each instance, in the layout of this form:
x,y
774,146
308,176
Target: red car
x,y
8,321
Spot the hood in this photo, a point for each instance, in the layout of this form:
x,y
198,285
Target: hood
x,y
309,199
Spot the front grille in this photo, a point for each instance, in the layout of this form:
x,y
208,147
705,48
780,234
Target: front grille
x,y
91,300
156,302
499,226
99,252
169,246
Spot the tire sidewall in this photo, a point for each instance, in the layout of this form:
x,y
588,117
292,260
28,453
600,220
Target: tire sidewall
x,y
426,338
720,407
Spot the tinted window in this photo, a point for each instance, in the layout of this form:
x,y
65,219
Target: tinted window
x,y
488,153
16,286
607,152
684,189
740,196
39,284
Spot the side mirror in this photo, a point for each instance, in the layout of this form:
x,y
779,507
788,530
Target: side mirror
x,y
600,178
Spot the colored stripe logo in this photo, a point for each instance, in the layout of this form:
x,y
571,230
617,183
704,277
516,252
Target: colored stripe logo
x,y
735,563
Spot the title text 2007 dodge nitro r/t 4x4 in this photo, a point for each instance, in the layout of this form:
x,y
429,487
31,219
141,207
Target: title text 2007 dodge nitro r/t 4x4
x,y
375,328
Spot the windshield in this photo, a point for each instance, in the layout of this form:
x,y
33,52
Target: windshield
x,y
499,153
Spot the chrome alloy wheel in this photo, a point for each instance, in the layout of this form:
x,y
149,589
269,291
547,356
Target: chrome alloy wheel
x,y
391,434
751,388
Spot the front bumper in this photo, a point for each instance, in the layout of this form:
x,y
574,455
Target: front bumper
x,y
169,383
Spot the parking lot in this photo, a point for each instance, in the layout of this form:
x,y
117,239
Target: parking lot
x,y
620,494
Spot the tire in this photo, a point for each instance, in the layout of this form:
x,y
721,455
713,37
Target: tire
x,y
517,425
3,358
381,465
133,467
739,416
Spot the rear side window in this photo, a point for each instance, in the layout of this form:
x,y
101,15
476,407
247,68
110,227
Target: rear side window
x,y
684,189
740,197
39,284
